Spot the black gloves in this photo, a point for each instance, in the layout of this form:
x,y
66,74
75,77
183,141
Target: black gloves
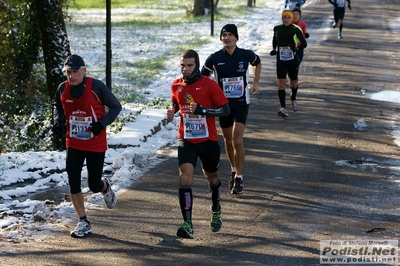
x,y
349,6
96,128
273,52
285,6
199,110
306,35
57,128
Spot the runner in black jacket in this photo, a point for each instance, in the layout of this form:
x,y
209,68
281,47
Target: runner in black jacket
x,y
284,44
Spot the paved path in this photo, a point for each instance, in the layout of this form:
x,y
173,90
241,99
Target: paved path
x,y
295,194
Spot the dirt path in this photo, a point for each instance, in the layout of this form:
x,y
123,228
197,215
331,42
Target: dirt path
x,y
295,192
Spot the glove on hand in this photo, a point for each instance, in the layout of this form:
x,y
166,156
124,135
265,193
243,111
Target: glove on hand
x,y
306,35
285,6
272,53
96,128
199,110
57,128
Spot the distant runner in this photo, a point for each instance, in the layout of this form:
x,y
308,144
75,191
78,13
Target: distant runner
x,y
296,20
284,44
339,7
293,4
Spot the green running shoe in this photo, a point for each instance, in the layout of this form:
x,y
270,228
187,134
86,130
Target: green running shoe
x,y
186,230
216,221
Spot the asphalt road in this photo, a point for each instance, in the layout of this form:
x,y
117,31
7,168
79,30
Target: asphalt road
x,y
295,192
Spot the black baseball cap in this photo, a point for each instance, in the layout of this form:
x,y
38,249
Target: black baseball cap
x,y
73,62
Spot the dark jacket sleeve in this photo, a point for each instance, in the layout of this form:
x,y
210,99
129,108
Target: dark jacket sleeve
x,y
58,110
207,68
274,40
108,99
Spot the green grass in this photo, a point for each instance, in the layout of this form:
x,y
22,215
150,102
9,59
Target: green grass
x,y
141,74
167,4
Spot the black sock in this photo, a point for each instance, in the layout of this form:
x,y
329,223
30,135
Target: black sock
x,y
83,218
340,28
294,93
216,196
186,202
282,95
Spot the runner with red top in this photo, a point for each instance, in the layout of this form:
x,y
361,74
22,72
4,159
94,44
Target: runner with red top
x,y
79,103
297,21
199,100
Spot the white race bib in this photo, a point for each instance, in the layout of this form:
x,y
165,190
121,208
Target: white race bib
x,y
79,127
233,87
285,53
195,126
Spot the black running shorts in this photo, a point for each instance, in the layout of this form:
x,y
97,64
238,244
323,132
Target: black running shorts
x,y
238,114
208,151
283,69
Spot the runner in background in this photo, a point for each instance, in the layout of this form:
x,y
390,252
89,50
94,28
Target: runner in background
x,y
339,8
230,66
296,20
284,45
293,4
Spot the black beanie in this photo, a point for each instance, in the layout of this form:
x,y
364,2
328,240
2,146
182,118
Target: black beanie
x,y
297,10
229,28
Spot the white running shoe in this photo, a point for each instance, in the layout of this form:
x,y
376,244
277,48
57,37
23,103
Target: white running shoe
x,y
282,112
339,36
295,106
109,196
83,228
334,25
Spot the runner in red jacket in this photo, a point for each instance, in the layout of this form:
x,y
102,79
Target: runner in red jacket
x,y
297,21
80,103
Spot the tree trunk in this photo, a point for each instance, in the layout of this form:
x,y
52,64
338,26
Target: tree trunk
x,y
55,41
250,3
198,9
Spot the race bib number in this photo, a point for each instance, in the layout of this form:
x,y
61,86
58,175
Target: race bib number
x,y
341,3
195,126
285,53
79,127
233,87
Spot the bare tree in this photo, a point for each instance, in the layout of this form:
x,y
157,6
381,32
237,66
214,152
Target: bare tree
x,y
250,3
55,41
198,9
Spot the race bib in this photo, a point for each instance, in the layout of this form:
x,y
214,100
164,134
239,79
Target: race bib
x,y
341,3
285,53
79,127
195,126
233,87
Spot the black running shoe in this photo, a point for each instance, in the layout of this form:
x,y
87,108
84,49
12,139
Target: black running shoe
x,y
186,230
232,180
238,186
